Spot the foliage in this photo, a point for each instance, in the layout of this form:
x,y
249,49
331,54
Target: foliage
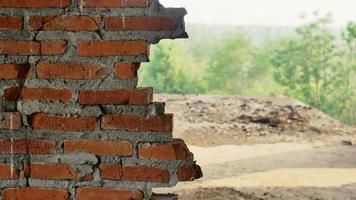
x,y
169,70
314,65
229,63
314,68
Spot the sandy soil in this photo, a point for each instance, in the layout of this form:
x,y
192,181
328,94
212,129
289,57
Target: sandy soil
x,y
264,149
273,171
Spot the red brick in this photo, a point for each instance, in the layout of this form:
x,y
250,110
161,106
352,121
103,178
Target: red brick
x,y
65,23
40,146
24,146
28,48
134,173
162,123
110,148
113,3
53,47
63,123
88,177
19,47
96,193
36,22
10,120
14,146
11,22
126,70
15,71
113,48
53,171
8,172
176,150
34,3
74,71
111,171
145,174
139,23
189,173
49,94
141,96
31,193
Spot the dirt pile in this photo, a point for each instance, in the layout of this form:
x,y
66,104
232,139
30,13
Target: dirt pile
x,y
218,120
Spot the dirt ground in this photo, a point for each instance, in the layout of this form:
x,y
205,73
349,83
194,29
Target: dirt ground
x,y
270,148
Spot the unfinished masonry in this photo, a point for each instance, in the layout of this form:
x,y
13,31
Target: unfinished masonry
x,y
73,124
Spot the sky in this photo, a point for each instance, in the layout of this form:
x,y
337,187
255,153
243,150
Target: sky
x,y
263,12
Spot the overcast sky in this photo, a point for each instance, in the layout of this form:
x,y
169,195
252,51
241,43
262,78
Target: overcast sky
x,y
262,12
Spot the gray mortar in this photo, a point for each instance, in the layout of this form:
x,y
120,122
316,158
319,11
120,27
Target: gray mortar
x,y
16,160
74,158
135,137
32,107
57,184
12,183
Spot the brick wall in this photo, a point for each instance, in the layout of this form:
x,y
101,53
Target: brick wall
x,y
73,124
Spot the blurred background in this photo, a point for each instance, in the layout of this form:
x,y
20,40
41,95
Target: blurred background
x,y
304,49
264,93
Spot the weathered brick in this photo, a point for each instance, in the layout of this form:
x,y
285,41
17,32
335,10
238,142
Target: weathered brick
x,y
40,146
53,171
141,96
145,174
31,146
36,22
113,48
8,172
113,3
189,173
134,173
13,146
31,48
96,193
49,94
53,47
19,47
111,171
139,23
161,123
10,120
110,148
15,71
11,22
88,177
63,123
34,3
177,150
65,23
74,71
126,70
31,193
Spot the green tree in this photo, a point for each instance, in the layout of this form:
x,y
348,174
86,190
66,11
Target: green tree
x,y
312,66
260,73
347,110
170,70
229,63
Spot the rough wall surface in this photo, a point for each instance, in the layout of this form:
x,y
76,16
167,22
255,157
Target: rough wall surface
x,y
73,124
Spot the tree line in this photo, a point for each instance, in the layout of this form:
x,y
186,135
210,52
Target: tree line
x,y
315,66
